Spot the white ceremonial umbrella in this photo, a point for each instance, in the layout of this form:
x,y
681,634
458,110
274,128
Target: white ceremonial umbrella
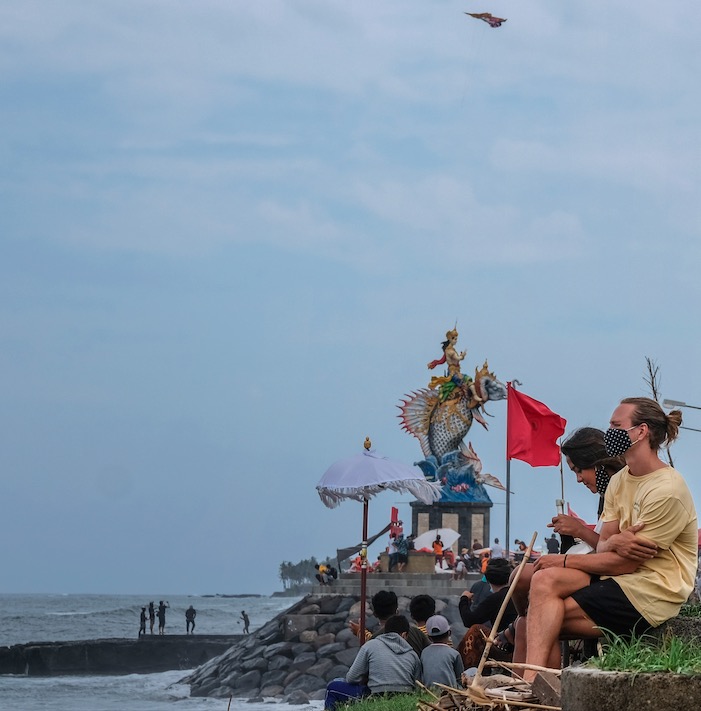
x,y
361,477
425,540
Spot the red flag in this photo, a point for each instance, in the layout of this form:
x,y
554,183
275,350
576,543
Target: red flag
x,y
532,430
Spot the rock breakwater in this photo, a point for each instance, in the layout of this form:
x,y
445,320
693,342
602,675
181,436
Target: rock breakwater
x,y
297,653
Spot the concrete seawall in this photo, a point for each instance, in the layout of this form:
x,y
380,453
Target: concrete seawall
x,y
114,656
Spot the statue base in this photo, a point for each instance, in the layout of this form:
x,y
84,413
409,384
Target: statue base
x,y
470,520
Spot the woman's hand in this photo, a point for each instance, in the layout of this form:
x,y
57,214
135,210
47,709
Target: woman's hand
x,y
567,525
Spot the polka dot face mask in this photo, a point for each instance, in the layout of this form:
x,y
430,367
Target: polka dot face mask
x,y
602,480
618,441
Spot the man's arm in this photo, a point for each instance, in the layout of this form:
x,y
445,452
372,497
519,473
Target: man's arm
x,y
358,672
627,544
602,563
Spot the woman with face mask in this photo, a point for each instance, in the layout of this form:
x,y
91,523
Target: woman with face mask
x,y
586,455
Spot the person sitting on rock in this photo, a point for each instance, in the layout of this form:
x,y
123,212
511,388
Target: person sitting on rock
x,y
421,608
440,662
321,574
385,664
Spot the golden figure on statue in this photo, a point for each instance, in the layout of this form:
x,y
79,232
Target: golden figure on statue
x,y
450,385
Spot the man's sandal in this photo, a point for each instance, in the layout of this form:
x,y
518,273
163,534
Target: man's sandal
x,y
504,641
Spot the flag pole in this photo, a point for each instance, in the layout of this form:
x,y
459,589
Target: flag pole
x,y
509,386
508,504
562,475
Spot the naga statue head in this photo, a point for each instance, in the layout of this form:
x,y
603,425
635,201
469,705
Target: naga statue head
x,y
493,388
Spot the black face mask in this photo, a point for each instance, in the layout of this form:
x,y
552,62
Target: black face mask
x,y
618,441
602,480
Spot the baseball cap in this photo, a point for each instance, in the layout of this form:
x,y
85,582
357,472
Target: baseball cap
x,y
437,626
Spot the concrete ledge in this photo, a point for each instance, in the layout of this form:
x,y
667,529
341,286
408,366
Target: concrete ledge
x,y
418,562
410,584
146,655
586,689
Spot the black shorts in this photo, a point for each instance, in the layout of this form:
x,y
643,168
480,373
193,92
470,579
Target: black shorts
x,y
611,611
401,558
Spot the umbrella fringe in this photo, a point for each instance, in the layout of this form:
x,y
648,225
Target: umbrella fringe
x,y
425,491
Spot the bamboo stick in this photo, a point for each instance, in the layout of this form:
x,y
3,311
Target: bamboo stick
x,y
502,609
521,665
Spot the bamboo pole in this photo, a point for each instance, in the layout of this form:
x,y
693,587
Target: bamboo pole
x,y
502,609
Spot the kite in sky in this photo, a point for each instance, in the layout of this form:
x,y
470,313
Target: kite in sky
x,y
488,18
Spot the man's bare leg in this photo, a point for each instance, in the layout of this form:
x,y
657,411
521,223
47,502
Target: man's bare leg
x,y
520,594
552,612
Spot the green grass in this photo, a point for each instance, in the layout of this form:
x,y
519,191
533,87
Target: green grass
x,y
648,655
690,610
400,702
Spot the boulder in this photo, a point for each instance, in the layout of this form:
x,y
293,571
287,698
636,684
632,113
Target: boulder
x,y
308,636
354,611
303,661
337,671
328,649
317,695
294,674
222,692
279,663
321,668
283,648
204,689
331,627
346,656
248,680
297,698
306,683
345,605
257,663
345,634
300,647
273,678
323,639
272,691
329,604
310,610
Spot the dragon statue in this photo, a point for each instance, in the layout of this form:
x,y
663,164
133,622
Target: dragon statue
x,y
440,417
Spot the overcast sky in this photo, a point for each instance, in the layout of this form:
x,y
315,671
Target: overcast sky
x,y
232,234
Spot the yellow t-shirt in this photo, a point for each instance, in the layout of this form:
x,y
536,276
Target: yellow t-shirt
x,y
662,500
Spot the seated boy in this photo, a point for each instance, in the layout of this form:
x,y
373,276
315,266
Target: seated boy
x,y
441,663
384,664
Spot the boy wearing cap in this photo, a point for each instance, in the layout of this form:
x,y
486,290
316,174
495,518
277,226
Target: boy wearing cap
x,y
441,663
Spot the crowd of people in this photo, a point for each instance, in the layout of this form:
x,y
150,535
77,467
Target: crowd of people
x,y
629,574
150,613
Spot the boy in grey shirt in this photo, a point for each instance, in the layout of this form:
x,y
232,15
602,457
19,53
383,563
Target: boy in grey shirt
x,y
441,663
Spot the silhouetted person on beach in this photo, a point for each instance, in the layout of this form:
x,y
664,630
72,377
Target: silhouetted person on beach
x,y
246,621
190,615
151,615
142,622
162,607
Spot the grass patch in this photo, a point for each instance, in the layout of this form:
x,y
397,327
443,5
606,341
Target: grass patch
x,y
648,655
690,610
399,702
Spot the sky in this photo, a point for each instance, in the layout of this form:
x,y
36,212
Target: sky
x,y
232,234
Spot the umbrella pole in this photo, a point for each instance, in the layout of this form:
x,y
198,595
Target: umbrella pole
x,y
363,571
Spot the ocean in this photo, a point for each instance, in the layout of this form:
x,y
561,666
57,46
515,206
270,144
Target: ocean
x,y
52,618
